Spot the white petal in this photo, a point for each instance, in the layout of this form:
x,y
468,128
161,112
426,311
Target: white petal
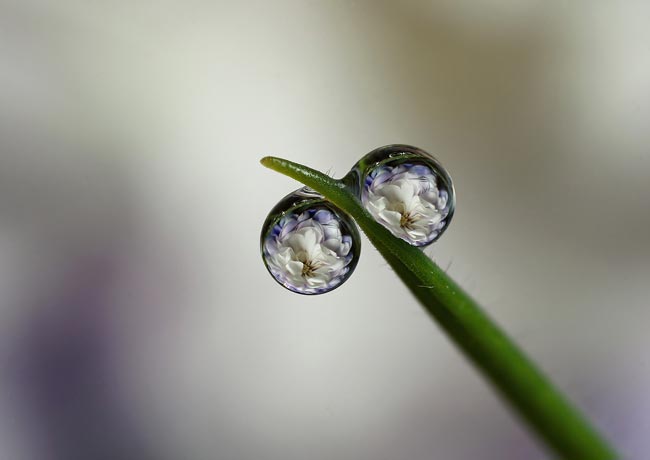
x,y
333,244
376,204
311,238
392,218
295,267
400,193
317,280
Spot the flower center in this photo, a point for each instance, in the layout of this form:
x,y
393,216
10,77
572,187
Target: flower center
x,y
407,220
309,268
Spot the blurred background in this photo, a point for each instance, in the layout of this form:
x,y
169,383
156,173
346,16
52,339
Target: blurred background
x,y
137,320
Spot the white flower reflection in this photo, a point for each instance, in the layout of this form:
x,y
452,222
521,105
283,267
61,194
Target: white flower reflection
x,y
307,252
407,201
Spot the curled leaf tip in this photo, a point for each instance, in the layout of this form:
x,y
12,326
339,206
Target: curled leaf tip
x,y
267,160
276,164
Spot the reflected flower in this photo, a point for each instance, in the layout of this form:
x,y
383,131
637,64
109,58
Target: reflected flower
x,y
308,252
407,201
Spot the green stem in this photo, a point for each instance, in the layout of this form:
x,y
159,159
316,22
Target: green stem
x,y
543,407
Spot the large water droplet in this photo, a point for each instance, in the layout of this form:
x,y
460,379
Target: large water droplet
x,y
308,245
406,190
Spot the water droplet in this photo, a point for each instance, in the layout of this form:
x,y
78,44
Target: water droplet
x,y
406,190
308,245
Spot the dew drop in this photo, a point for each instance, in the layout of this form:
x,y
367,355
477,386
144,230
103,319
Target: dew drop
x,y
308,245
406,190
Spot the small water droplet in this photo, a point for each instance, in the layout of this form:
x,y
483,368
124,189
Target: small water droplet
x,y
406,190
308,245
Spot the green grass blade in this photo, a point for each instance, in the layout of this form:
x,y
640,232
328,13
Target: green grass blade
x,y
519,382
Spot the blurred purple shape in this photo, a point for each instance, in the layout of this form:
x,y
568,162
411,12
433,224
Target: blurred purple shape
x,y
65,373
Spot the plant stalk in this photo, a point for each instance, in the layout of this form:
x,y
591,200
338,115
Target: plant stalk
x,y
532,396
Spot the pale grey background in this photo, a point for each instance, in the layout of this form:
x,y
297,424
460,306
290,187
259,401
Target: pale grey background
x,y
130,139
